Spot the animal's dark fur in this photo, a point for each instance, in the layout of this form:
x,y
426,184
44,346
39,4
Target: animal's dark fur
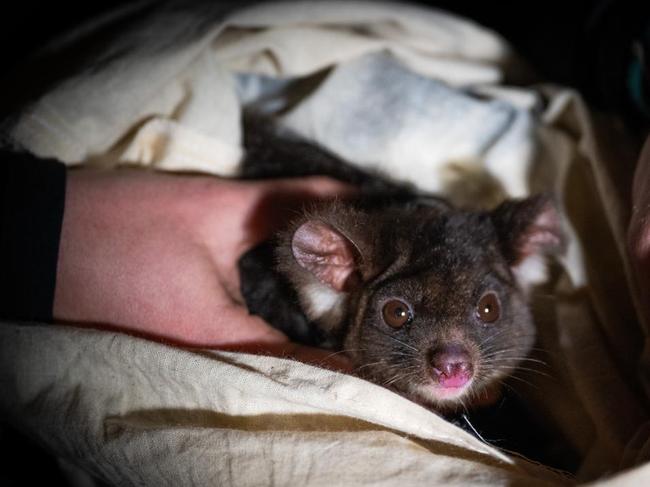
x,y
438,259
440,262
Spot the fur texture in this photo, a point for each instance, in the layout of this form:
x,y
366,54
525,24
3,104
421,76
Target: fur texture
x,y
439,262
338,266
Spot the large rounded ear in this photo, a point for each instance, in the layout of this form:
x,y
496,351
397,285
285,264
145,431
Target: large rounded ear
x,y
327,254
528,230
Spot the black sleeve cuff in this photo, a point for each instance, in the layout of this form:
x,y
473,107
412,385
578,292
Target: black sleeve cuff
x,y
32,197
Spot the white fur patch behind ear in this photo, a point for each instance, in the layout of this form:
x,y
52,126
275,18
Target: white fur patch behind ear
x,y
531,271
322,303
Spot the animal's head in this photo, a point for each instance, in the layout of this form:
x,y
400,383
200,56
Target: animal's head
x,y
431,302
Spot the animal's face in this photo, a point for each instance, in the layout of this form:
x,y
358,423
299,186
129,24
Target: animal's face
x,y
430,303
442,323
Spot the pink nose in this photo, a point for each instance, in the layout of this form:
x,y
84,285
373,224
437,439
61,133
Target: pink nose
x,y
452,366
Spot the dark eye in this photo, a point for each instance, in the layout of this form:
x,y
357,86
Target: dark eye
x,y
488,309
397,313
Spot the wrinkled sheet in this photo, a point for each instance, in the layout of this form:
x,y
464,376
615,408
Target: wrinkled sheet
x,y
412,93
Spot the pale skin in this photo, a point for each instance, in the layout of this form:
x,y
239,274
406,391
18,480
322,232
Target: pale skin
x,y
156,255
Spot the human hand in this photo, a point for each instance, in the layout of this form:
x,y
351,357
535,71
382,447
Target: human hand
x,y
156,255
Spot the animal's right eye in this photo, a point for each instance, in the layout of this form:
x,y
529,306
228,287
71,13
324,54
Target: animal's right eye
x,y
488,309
397,313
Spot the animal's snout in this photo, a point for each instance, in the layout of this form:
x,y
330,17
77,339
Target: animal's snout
x,y
451,365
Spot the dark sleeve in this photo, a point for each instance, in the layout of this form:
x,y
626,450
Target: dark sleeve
x,y
32,196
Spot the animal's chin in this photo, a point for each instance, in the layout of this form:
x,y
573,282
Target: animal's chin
x,y
448,394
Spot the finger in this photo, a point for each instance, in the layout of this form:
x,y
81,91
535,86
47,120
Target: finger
x,y
319,186
278,203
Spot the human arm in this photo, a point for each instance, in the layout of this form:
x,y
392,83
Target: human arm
x,y
141,252
156,254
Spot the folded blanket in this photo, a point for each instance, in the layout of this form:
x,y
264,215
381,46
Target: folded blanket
x,y
413,93
132,412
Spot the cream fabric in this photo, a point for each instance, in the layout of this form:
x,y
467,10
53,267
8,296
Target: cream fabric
x,y
134,412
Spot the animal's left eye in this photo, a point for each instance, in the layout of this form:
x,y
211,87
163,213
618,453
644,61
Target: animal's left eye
x,y
488,309
397,313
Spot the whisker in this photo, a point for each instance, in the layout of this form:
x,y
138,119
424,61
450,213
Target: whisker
x,y
503,383
497,359
369,365
491,356
404,343
398,340
476,433
343,351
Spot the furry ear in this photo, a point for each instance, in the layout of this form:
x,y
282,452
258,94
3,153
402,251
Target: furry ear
x,y
327,254
529,230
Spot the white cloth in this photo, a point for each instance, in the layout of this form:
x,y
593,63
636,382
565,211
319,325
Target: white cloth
x,y
412,92
132,411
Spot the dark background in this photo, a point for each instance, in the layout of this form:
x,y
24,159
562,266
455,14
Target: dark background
x,y
536,27
583,43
